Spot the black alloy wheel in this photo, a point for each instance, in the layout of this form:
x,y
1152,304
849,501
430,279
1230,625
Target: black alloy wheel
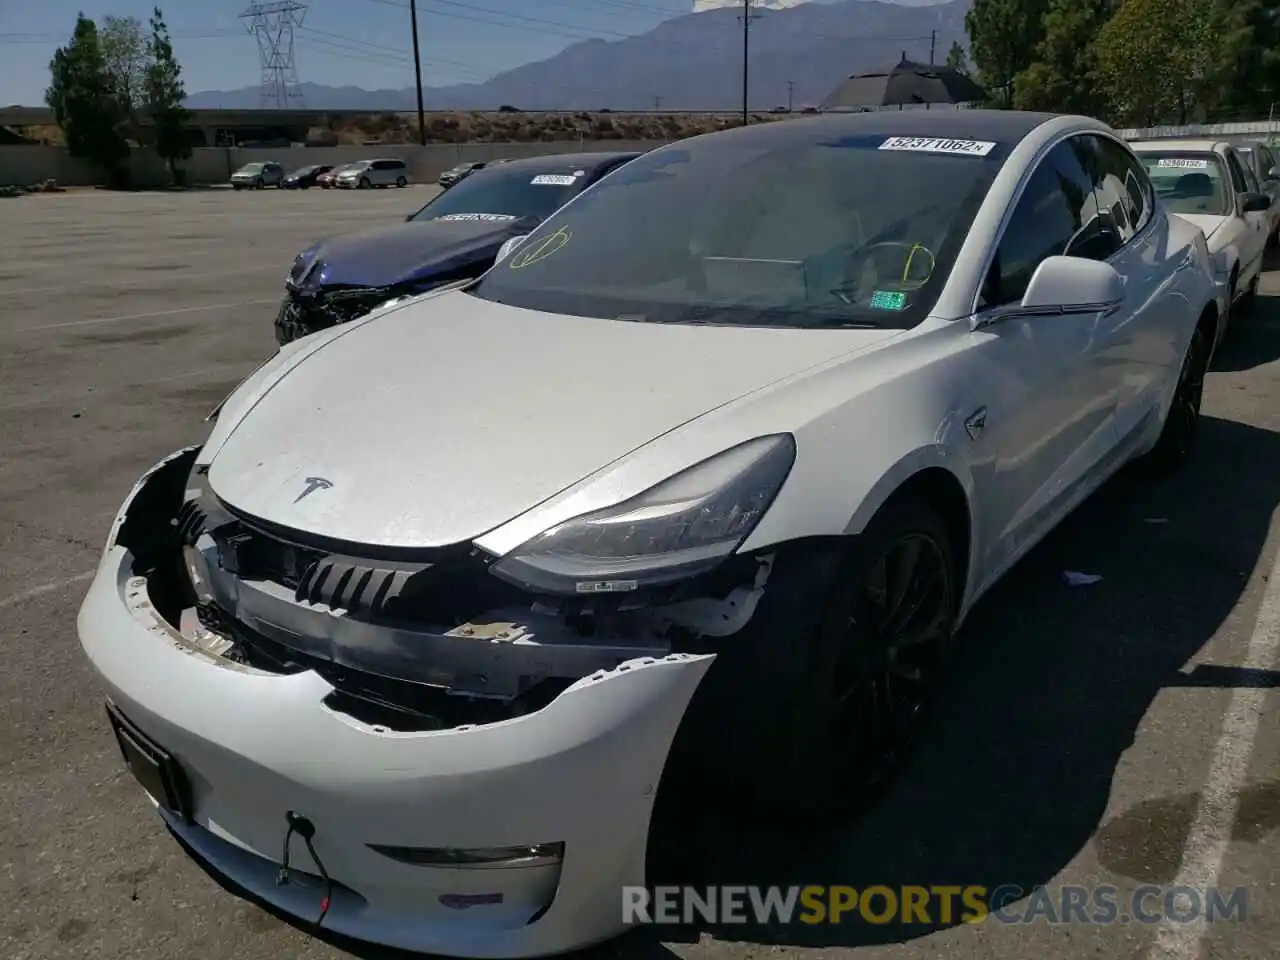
x,y
875,665
883,681
1180,426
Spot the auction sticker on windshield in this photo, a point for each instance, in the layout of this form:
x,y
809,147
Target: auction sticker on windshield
x,y
1182,164
485,217
964,148
554,180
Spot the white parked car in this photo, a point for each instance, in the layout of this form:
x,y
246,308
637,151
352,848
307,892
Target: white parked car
x,y
373,173
256,176
452,591
1206,182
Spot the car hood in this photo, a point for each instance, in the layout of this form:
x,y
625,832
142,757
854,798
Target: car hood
x,y
403,252
1208,222
440,420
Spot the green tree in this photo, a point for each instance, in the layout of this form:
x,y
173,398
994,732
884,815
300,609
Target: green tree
x,y
1155,61
957,60
1002,39
1064,76
124,55
83,101
1244,79
164,95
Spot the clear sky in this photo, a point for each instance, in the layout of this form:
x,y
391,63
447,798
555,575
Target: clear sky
x,y
365,43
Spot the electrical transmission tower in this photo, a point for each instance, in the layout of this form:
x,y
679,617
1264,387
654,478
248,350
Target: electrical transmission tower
x,y
272,24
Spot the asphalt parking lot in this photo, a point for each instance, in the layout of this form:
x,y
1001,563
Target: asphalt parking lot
x,y
1121,732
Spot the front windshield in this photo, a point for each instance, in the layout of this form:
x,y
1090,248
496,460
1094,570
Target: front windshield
x,y
510,193
250,168
1188,182
784,230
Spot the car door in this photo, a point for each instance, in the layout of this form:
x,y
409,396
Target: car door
x,y
1253,238
1136,344
1047,425
1265,163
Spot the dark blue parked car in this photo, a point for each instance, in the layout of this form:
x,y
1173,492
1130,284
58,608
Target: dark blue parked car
x,y
456,236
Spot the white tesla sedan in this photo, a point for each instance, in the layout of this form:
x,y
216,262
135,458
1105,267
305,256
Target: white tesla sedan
x,y
698,482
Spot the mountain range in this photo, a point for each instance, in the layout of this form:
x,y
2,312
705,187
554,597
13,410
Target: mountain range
x,y
798,54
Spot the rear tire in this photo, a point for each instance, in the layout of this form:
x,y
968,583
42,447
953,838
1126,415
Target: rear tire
x,y
1250,298
1180,426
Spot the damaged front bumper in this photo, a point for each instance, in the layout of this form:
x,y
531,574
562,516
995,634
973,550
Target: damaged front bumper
x,y
492,839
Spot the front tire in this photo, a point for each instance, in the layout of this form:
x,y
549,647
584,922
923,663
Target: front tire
x,y
364,183
817,704
878,658
401,181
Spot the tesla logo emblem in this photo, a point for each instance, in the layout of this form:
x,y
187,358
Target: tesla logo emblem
x,y
976,422
313,484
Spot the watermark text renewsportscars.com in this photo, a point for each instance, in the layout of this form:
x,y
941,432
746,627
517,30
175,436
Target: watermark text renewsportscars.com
x,y
932,905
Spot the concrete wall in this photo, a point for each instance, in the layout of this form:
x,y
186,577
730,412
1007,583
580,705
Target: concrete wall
x,y
1243,130
26,165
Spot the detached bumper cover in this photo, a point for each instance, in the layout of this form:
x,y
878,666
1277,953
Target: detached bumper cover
x,y
583,771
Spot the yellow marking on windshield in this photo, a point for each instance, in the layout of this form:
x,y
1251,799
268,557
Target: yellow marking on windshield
x,y
906,270
541,250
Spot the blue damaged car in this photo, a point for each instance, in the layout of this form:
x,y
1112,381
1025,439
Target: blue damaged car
x,y
456,236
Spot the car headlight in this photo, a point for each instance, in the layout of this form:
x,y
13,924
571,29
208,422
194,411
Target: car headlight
x,y
683,526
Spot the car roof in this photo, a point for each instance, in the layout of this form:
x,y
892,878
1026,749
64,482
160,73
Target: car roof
x,y
568,161
1001,126
1187,146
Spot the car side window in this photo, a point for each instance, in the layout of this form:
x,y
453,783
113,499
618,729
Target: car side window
x,y
1250,176
1124,181
1266,160
1237,172
1056,214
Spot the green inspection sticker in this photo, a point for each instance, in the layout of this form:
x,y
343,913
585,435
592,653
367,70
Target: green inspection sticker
x,y
888,300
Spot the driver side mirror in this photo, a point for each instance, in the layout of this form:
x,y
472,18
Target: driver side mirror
x,y
1064,285
1073,285
1254,202
504,251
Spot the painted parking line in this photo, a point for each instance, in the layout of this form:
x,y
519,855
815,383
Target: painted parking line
x,y
1210,834
139,316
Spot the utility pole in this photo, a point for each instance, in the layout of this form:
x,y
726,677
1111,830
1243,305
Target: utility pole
x,y
417,69
747,16
933,45
791,89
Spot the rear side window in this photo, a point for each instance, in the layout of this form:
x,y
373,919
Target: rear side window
x,y
1238,179
1122,181
1057,214
1266,160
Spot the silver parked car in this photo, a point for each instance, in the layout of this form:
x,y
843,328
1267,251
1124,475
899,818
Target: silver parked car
x,y
1261,161
256,176
374,173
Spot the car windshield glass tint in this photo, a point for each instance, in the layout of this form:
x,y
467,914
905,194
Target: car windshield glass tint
x,y
506,193
789,231
1188,182
250,168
